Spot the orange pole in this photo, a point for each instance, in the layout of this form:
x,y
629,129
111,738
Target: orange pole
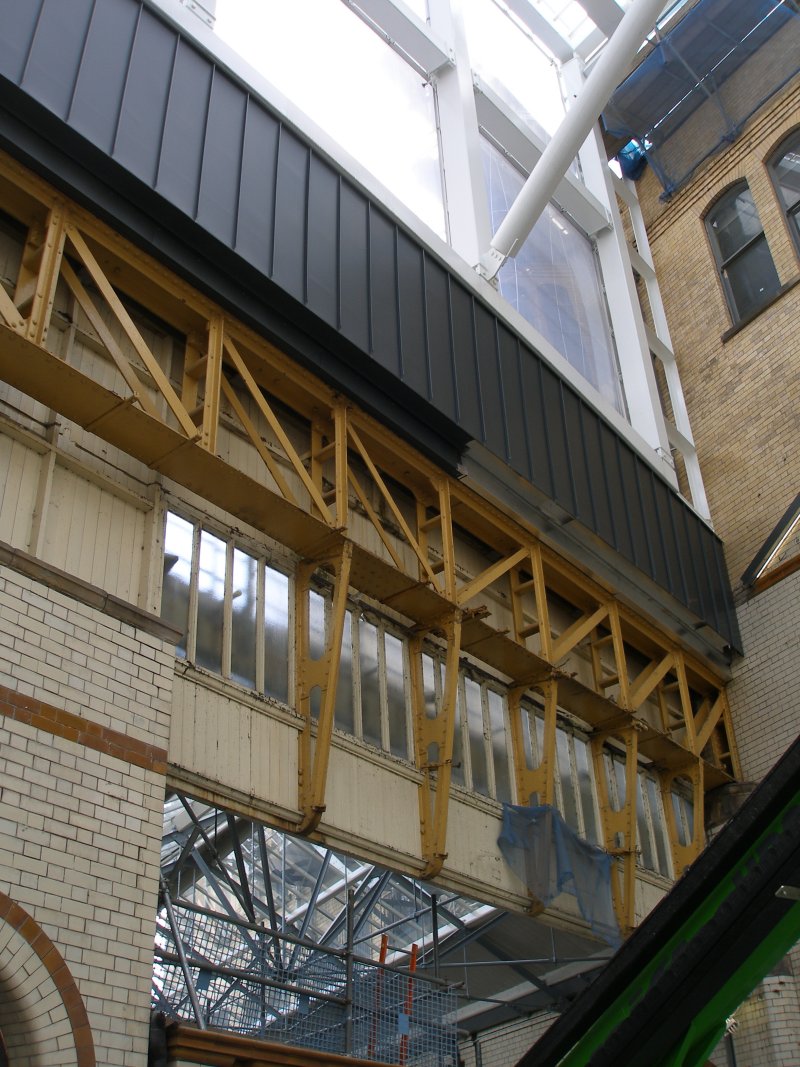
x,y
373,1030
408,1003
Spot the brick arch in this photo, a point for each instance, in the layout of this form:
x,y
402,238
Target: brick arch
x,y
52,966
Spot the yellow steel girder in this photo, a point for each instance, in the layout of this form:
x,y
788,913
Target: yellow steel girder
x,y
640,689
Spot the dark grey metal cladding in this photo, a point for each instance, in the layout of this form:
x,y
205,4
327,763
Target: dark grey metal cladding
x,y
387,317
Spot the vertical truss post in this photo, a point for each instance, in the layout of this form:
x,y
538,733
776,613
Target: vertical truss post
x,y
213,382
340,465
684,852
38,276
322,674
434,745
619,825
448,542
538,780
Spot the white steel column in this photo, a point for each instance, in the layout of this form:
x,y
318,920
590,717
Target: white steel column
x,y
609,70
630,335
467,205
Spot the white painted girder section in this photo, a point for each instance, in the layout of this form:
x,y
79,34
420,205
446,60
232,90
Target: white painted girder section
x,y
573,131
405,32
466,203
605,14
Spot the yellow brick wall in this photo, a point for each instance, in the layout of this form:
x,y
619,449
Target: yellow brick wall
x,y
743,393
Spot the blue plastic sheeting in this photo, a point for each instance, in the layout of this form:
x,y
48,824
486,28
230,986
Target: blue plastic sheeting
x,y
550,858
702,82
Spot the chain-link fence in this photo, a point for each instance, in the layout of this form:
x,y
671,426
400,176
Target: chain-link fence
x,y
249,979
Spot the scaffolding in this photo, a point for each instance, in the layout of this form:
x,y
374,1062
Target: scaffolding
x,y
700,84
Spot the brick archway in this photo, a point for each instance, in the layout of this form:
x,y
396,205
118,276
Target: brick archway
x,y
49,970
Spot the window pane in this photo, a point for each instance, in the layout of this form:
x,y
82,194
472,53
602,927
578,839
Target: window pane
x,y
210,602
370,687
396,695
244,605
570,811
458,772
643,828
554,283
734,222
316,624
787,174
364,95
429,669
659,827
586,788
752,277
276,634
477,739
344,714
177,576
497,723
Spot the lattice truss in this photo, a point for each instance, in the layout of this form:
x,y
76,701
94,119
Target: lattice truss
x,y
274,936
236,421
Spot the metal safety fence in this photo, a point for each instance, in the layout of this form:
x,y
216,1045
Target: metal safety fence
x,y
224,973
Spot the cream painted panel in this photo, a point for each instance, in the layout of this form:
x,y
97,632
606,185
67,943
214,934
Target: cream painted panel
x,y
371,802
273,759
94,535
472,850
19,477
233,744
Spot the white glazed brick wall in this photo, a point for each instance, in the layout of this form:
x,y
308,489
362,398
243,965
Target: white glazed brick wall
x,y
80,829
769,1025
71,655
765,693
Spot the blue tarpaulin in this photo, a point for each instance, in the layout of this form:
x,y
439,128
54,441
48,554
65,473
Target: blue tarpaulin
x,y
703,80
550,858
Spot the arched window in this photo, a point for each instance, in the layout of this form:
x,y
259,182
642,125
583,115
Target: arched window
x,y
785,170
741,251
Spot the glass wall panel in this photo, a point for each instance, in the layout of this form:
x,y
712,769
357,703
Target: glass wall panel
x,y
178,546
554,282
210,602
332,66
244,609
513,65
276,634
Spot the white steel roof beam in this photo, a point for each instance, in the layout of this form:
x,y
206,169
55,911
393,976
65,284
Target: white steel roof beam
x,y
404,32
573,131
541,27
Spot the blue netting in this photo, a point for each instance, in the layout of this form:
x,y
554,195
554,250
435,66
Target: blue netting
x,y
550,858
700,84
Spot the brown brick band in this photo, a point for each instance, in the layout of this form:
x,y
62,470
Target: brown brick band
x,y
64,724
54,964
